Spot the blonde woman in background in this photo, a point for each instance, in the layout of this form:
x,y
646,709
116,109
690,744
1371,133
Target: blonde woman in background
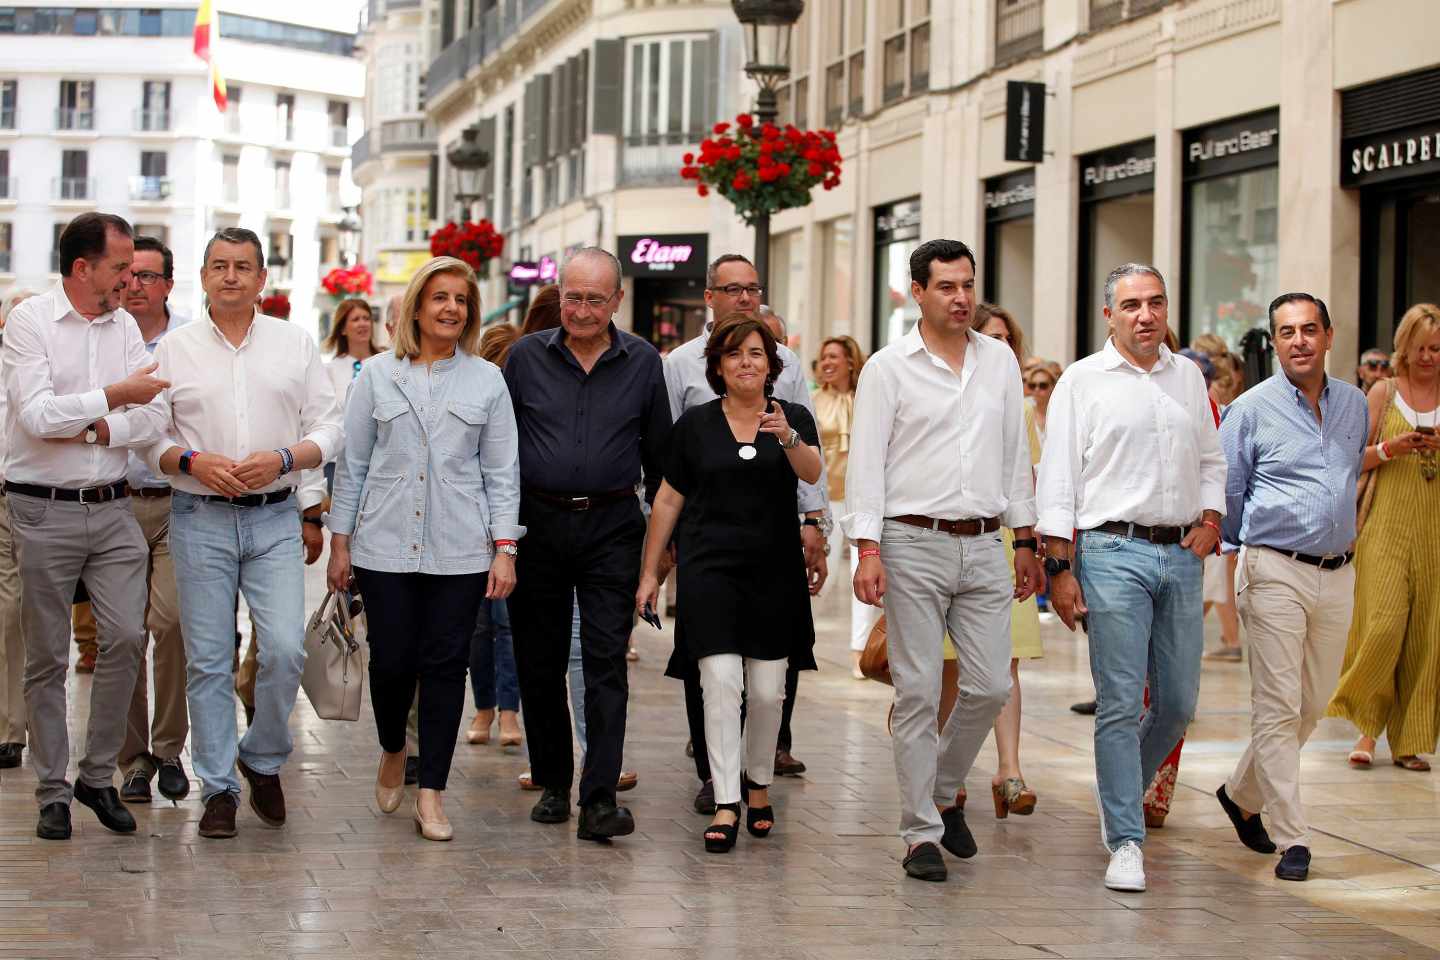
x,y
838,370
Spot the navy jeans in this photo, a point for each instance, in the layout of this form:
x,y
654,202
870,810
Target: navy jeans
x,y
492,659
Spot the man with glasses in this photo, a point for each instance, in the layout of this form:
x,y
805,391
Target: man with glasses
x,y
592,418
1374,367
733,286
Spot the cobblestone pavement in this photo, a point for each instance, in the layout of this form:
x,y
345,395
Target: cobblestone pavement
x,y
341,880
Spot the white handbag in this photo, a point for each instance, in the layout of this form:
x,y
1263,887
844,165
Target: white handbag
x,y
336,658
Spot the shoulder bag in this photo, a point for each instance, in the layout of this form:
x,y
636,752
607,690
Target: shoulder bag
x,y
875,658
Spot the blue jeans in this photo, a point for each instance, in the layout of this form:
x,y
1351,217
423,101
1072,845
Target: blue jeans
x,y
492,659
1146,625
218,549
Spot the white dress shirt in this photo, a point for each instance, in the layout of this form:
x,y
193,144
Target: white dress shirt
x,y
271,391
929,442
1129,445
56,367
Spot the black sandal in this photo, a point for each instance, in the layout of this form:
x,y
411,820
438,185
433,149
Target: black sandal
x,y
754,815
727,831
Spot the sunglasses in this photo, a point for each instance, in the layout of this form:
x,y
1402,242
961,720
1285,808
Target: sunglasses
x,y
1040,385
1377,364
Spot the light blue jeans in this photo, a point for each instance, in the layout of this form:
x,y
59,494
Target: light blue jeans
x,y
257,550
1146,625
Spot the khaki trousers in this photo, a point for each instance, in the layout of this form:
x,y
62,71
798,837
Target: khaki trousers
x,y
12,638
1297,617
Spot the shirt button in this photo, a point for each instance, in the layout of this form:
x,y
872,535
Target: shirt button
x,y
415,546
422,476
417,513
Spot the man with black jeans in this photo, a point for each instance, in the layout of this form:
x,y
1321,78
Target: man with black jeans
x,y
592,415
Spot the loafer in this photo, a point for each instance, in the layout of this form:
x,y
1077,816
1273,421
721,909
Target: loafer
x,y
1250,830
552,807
54,823
1294,864
105,801
171,779
1086,708
412,771
218,821
629,780
136,788
603,820
957,837
267,799
786,765
705,799
925,863
10,755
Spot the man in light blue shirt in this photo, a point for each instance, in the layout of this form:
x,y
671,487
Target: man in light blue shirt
x,y
1294,445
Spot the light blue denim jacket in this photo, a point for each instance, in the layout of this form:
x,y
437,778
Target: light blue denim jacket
x,y
430,473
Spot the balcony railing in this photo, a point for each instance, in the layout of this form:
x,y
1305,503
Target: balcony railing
x,y
152,189
1105,12
7,188
1019,30
70,119
7,119
360,150
4,261
339,136
73,188
152,120
497,25
406,135
643,163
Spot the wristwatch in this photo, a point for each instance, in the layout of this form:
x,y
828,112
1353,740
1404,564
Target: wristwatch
x,y
508,549
792,441
1055,566
90,435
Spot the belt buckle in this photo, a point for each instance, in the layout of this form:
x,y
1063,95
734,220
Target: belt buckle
x,y
579,503
84,490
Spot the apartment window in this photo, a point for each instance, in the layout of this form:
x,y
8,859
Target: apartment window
x,y
77,105
844,45
230,173
282,184
1018,29
278,259
1105,12
404,215
154,105
667,79
7,187
8,91
234,26
285,116
339,113
74,181
793,97
157,230
235,96
332,188
154,181
905,29
397,88
7,238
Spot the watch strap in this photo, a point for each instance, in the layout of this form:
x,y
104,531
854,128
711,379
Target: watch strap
x,y
1027,543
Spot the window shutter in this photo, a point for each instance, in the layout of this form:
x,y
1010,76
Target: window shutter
x,y
580,117
609,72
530,126
434,205
554,106
487,141
544,120
704,83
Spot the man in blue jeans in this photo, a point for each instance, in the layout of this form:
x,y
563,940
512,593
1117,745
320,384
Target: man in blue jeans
x,y
1132,461
249,407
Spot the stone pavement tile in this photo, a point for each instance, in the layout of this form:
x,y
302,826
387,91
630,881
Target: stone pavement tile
x,y
344,921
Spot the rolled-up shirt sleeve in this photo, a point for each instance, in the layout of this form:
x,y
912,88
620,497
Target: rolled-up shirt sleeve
x,y
869,443
1060,464
500,468
320,418
1018,474
1237,444
1212,458
40,410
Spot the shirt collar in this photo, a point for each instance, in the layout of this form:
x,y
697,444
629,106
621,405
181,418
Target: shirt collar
x,y
1293,390
64,308
249,331
556,341
1114,358
913,342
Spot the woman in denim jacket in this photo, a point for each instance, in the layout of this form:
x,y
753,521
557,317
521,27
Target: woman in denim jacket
x,y
426,514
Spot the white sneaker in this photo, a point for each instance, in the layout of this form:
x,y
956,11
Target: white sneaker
x,y
1127,868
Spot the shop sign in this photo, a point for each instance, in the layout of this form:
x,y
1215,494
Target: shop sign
x,y
1009,197
1024,122
1233,146
530,273
895,222
1390,156
1118,171
664,255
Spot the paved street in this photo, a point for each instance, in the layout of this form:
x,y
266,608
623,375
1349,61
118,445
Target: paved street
x,y
341,880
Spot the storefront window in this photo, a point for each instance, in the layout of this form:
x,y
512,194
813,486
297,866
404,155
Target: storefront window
x,y
897,234
1117,225
1234,260
1009,258
837,245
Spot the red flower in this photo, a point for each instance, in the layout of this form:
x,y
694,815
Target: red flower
x,y
816,170
741,182
720,128
732,154
745,120
703,190
689,158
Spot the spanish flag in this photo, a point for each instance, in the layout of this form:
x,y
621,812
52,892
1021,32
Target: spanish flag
x,y
205,30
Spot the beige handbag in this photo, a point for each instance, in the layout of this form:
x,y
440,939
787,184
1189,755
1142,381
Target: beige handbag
x,y
336,658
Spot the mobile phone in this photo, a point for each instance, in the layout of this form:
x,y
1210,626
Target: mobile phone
x,y
648,615
1425,431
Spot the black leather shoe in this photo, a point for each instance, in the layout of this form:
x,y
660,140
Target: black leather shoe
x,y
105,801
54,822
603,820
1294,864
926,863
172,781
1086,708
412,771
136,788
957,838
705,799
10,755
1249,829
552,807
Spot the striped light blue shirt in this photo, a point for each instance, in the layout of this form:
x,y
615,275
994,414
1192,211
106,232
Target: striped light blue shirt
x,y
1291,480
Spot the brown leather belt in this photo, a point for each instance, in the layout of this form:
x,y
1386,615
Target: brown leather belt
x,y
956,528
579,501
1138,531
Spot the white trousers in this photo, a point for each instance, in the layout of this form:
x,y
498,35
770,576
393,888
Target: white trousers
x,y
723,679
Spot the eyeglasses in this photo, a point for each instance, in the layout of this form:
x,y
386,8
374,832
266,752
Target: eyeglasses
x,y
147,278
1039,384
735,289
1377,364
575,301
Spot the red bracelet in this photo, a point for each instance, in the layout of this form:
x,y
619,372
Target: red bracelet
x,y
1212,525
869,552
504,543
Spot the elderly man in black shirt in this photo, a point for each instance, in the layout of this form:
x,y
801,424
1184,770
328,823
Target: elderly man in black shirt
x,y
592,413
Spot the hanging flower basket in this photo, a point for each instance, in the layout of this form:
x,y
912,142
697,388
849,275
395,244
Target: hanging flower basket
x,y
763,169
276,305
342,283
474,243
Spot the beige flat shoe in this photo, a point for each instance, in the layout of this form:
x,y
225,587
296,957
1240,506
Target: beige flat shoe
x,y
510,735
479,731
432,829
388,798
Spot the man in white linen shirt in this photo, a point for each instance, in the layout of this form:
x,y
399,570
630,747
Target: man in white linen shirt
x,y
939,461
250,407
1133,462
78,392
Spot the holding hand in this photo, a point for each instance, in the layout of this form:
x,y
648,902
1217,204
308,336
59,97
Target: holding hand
x,y
139,388
1413,442
648,592
259,469
337,575
218,473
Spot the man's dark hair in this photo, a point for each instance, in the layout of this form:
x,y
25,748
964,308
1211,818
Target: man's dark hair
x,y
237,235
720,261
946,251
86,237
156,245
1285,298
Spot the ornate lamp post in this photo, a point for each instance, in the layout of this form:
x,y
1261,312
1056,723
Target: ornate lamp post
x,y
469,160
349,227
767,25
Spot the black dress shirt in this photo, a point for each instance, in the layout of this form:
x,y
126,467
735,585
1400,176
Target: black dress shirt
x,y
584,433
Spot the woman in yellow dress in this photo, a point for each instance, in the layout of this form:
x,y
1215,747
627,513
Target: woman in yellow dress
x,y
1390,680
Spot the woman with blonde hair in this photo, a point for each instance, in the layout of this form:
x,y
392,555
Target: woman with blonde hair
x,y
425,521
838,370
1390,681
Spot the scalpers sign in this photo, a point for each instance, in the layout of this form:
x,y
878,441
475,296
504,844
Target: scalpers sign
x,y
1384,157
671,255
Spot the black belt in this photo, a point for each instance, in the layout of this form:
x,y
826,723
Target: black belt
x,y
111,491
1138,531
150,493
251,499
580,501
1332,561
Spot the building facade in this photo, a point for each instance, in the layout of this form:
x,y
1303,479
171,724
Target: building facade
x,y
107,108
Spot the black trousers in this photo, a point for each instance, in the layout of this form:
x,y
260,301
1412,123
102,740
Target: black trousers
x,y
695,716
420,626
594,554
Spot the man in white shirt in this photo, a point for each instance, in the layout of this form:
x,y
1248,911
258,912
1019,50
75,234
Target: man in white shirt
x,y
1133,462
939,461
78,392
250,408
12,639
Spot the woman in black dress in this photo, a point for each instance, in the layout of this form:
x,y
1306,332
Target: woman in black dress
x,y
743,598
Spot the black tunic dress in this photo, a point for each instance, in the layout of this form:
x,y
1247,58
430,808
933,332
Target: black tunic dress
x,y
741,586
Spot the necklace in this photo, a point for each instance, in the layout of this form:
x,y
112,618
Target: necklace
x,y
747,451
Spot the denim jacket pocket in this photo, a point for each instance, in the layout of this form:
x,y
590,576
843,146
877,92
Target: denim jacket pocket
x,y
463,428
379,527
463,530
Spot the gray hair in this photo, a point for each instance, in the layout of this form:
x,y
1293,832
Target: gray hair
x,y
237,235
1374,352
768,312
587,252
1129,270
394,308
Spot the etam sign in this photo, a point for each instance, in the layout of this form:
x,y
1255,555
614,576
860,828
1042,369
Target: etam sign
x,y
664,255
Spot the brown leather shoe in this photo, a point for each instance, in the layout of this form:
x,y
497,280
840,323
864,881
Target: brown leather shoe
x,y
266,797
218,823
786,765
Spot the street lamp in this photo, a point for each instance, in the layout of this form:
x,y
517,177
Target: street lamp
x,y
349,227
767,25
468,159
